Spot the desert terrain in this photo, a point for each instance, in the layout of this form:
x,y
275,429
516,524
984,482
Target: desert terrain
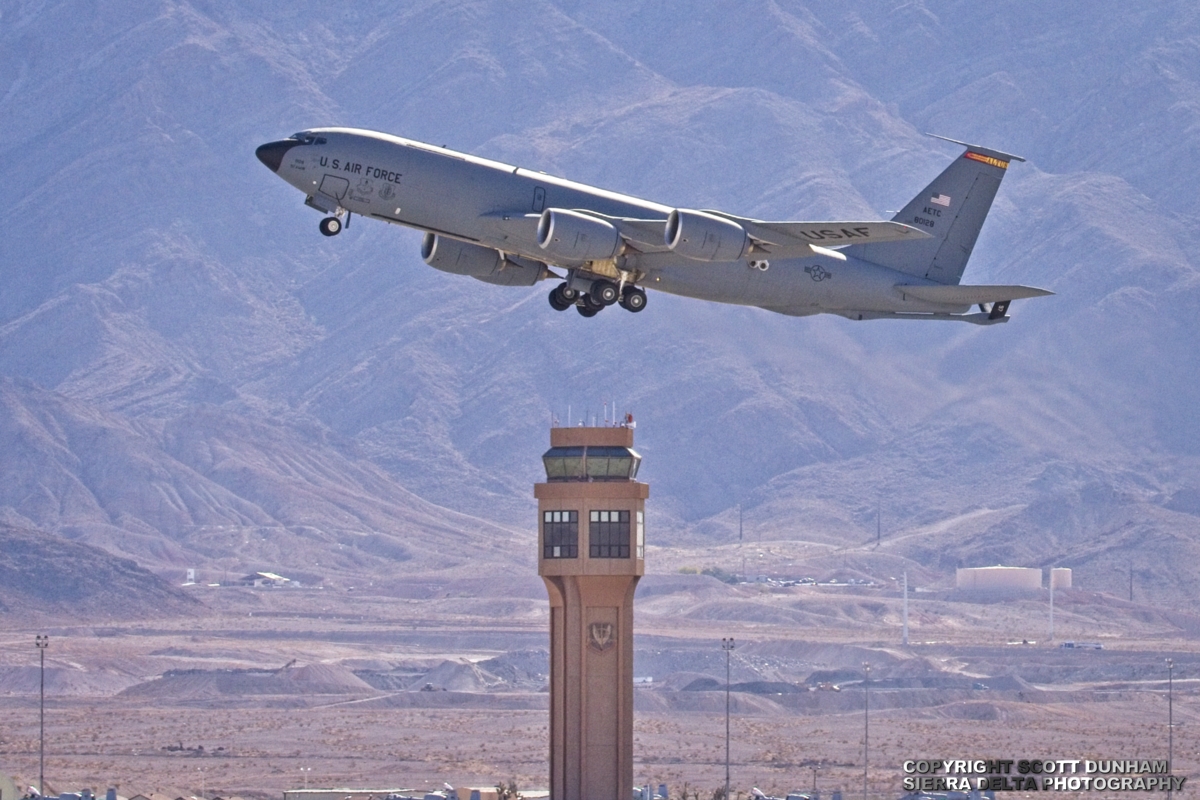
x,y
425,679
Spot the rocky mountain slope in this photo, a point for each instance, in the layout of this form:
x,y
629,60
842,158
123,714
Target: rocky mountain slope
x,y
192,374
43,575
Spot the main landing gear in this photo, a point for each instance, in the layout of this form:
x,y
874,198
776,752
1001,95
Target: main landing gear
x,y
603,293
332,226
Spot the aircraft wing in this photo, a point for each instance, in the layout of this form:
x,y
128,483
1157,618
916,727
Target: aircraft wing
x,y
969,295
779,239
520,229
825,234
644,235
773,239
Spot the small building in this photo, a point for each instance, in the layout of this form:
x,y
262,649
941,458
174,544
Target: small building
x,y
263,579
999,578
1060,578
349,794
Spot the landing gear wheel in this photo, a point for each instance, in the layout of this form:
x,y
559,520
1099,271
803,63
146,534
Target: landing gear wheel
x,y
634,299
567,293
588,306
331,226
557,302
605,292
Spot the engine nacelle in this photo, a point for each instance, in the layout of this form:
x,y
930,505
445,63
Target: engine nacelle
x,y
570,236
483,263
705,237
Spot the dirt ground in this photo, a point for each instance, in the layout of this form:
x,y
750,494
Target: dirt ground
x,y
107,724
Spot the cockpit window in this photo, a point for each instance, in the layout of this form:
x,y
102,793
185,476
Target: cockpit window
x,y
304,137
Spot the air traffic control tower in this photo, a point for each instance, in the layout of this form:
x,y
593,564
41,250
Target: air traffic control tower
x,y
590,554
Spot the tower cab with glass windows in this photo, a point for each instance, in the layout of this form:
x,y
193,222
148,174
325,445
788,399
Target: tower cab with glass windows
x,y
591,508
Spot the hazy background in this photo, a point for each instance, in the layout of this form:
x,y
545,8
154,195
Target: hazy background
x,y
194,376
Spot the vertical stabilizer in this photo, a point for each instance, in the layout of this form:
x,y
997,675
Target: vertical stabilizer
x,y
951,209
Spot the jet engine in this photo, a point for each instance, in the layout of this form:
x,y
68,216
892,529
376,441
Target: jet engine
x,y
570,236
705,237
482,263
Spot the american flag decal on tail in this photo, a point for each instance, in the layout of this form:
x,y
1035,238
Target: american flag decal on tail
x,y
940,200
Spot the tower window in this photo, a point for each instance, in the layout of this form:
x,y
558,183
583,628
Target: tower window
x,y
608,534
560,534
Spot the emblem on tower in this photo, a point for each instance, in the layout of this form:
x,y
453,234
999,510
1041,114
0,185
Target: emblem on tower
x,y
601,635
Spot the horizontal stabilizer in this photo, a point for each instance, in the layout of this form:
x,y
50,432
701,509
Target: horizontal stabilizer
x,y
974,319
969,295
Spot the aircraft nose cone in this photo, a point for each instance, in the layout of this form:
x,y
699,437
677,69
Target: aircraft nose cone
x,y
272,153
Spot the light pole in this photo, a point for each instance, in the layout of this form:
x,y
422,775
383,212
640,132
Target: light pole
x,y
42,642
1051,605
866,722
814,769
727,645
201,771
304,771
1170,723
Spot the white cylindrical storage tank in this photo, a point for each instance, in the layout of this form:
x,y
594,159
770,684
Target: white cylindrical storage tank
x,y
1060,578
999,578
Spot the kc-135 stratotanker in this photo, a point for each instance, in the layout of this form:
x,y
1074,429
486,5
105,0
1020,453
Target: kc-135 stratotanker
x,y
514,227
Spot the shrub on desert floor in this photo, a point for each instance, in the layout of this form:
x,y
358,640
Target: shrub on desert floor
x,y
508,791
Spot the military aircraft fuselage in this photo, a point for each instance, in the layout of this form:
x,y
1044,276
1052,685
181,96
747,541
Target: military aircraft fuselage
x,y
509,225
